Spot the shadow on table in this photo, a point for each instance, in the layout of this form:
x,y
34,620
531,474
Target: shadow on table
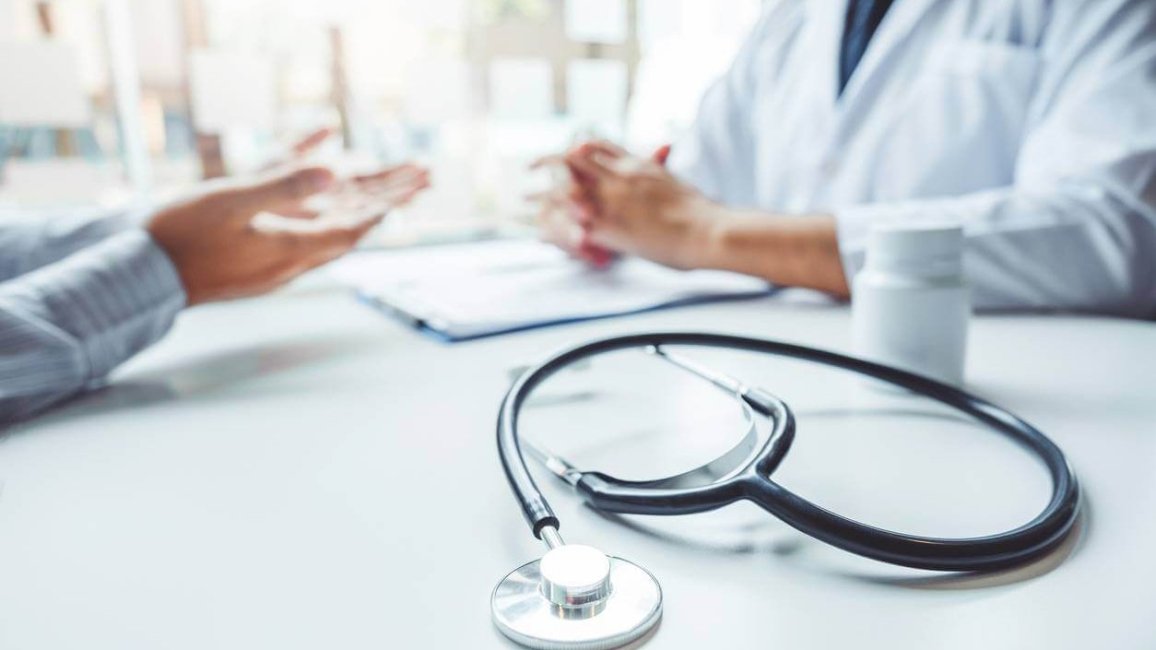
x,y
790,549
985,579
745,538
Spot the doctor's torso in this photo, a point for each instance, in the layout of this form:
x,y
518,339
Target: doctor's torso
x,y
937,107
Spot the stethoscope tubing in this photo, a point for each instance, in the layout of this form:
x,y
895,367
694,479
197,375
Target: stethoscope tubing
x,y
1025,543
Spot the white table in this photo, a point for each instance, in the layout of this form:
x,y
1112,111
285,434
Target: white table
x,y
302,472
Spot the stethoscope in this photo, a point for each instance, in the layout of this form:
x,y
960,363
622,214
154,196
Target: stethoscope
x,y
575,596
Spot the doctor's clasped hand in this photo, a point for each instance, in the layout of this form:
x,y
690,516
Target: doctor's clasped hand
x,y
635,206
632,205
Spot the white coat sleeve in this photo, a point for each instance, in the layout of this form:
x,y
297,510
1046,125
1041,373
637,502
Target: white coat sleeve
x,y
1077,230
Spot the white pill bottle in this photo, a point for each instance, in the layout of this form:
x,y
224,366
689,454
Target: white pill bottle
x,y
910,303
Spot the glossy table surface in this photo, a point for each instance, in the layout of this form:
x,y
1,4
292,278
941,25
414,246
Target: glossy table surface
x,y
300,471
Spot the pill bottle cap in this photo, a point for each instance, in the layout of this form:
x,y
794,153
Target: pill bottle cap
x,y
925,250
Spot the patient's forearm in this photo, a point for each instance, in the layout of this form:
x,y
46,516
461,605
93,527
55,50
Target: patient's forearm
x,y
797,251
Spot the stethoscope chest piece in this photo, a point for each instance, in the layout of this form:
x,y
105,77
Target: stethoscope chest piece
x,y
576,598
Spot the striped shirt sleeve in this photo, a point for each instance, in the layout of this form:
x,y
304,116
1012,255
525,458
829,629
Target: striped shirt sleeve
x,y
66,325
30,240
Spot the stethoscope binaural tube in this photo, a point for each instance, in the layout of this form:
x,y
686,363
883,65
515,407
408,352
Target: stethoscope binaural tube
x,y
1035,538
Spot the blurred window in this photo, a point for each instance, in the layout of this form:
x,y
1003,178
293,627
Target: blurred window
x,y
474,88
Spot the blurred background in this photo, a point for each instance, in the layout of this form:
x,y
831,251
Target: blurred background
x,y
114,101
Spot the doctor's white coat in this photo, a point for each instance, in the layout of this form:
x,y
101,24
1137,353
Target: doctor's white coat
x,y
1031,122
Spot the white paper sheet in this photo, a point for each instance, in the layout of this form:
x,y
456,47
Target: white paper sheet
x,y
41,85
521,89
232,90
596,90
469,290
596,21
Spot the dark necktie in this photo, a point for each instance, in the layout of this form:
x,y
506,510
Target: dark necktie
x,y
863,18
